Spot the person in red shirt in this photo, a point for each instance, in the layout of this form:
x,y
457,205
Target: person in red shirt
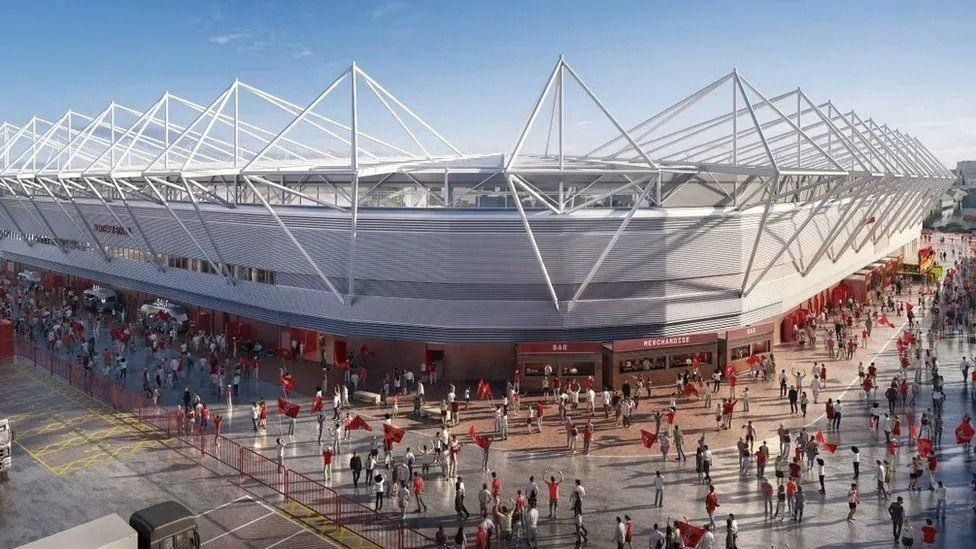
x,y
553,485
711,503
929,533
327,463
418,491
790,494
587,436
496,486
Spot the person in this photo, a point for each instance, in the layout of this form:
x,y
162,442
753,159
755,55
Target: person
x,y
356,466
879,477
658,483
576,499
767,492
553,486
460,541
711,503
896,511
799,502
459,508
628,532
857,461
380,489
619,533
484,500
907,534
327,464
731,532
418,491
531,525
940,500
929,533
852,501
657,538
281,453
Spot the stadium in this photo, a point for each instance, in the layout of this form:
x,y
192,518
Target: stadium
x,y
595,245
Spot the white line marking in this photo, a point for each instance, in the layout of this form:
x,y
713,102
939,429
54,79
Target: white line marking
x,y
238,528
282,540
225,505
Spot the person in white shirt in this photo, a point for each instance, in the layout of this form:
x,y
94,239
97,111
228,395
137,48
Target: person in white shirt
x,y
619,534
707,541
941,499
531,524
379,489
658,483
657,538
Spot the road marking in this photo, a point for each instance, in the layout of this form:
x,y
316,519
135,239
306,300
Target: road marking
x,y
222,505
238,528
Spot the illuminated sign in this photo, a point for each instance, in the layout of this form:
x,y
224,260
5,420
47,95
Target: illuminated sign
x,y
110,229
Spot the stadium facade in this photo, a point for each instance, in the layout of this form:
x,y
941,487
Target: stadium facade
x,y
590,245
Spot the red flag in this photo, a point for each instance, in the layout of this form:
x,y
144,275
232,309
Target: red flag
x,y
892,448
317,404
753,360
648,438
690,535
480,441
729,370
287,382
819,437
690,389
289,409
391,433
358,423
964,433
830,447
885,322
924,447
913,432
484,391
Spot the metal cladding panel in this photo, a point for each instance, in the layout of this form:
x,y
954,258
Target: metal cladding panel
x,y
471,276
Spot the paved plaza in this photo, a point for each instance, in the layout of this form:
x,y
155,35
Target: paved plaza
x,y
70,449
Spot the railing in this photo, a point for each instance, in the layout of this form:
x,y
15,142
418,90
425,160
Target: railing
x,y
343,512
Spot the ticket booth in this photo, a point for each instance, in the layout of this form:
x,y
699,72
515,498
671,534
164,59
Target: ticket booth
x,y
661,358
742,343
567,360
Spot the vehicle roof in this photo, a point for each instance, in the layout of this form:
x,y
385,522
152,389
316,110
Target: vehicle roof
x,y
162,520
101,292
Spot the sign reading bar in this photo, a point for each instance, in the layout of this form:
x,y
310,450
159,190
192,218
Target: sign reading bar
x,y
661,342
750,331
557,347
110,229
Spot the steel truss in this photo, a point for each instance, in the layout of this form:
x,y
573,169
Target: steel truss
x,y
726,145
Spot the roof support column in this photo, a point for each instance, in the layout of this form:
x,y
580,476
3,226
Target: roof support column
x,y
532,242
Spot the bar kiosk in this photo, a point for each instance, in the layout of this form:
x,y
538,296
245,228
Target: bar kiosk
x,y
742,343
567,360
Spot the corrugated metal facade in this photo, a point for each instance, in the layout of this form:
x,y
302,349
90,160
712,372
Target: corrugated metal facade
x,y
469,275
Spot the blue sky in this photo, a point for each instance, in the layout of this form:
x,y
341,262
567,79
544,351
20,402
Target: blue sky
x,y
473,69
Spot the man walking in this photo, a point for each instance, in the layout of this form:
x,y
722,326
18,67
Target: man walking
x,y
897,513
658,483
879,478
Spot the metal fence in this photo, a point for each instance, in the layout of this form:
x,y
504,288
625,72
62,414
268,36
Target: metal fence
x,y
340,511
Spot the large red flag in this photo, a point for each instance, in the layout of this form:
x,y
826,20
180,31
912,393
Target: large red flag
x,y
480,441
391,433
358,423
690,535
753,360
317,404
690,389
964,433
924,447
289,409
484,391
819,437
287,381
830,447
648,438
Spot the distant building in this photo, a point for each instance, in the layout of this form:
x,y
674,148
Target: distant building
x,y
966,171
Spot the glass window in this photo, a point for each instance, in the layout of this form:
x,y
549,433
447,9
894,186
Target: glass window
x,y
681,360
534,368
742,351
761,347
571,369
643,364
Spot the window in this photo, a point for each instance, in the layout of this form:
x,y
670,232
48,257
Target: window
x,y
760,347
742,351
681,360
644,364
571,369
534,369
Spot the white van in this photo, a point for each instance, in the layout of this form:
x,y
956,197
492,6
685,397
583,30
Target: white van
x,y
177,313
100,299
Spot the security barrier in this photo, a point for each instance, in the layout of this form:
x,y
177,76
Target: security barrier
x,y
340,512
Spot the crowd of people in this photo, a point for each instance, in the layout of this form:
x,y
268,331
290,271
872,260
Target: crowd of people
x,y
908,427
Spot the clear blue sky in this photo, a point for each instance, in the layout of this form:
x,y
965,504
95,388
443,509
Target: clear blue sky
x,y
473,69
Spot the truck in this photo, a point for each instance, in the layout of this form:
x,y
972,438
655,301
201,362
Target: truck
x,y
166,525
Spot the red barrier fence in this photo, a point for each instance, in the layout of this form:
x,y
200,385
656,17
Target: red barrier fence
x,y
341,511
